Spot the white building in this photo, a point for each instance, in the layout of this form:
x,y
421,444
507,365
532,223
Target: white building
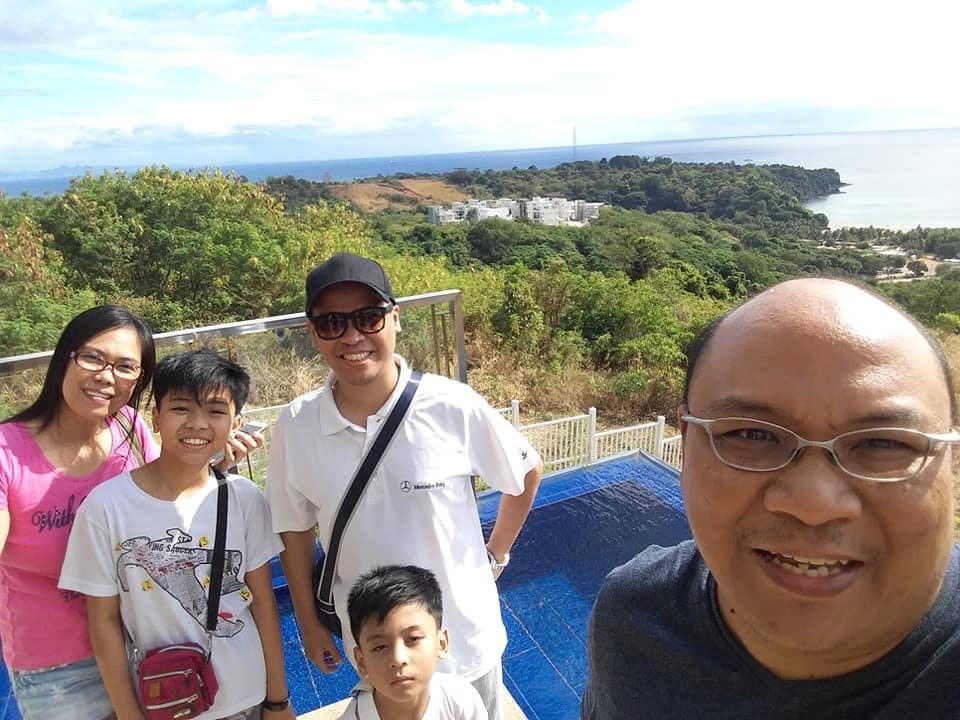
x,y
484,212
587,211
545,211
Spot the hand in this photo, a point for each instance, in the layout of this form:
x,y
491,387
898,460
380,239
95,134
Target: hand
x,y
239,444
278,714
322,650
499,558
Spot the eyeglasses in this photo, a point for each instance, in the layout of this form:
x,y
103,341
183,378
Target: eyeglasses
x,y
368,320
95,362
881,454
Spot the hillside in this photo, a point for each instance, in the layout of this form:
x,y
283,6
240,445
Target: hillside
x,y
368,196
407,193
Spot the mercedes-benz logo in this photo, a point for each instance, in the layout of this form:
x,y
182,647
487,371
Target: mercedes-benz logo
x,y
405,486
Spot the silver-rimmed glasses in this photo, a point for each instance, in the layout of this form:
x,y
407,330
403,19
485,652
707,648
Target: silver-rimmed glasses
x,y
883,454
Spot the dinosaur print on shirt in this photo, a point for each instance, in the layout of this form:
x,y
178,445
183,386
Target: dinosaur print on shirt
x,y
172,565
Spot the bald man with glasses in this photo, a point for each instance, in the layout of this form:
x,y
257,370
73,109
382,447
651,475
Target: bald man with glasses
x,y
822,580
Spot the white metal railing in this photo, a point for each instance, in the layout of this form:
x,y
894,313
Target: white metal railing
x,y
511,413
672,452
646,436
574,441
563,443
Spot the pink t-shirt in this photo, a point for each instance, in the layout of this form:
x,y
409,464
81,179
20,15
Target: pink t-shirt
x,y
40,625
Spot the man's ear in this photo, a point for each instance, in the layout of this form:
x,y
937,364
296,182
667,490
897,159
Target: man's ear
x,y
358,656
396,318
443,643
155,418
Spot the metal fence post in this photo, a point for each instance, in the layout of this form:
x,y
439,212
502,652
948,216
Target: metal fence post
x,y
515,412
592,435
658,438
459,336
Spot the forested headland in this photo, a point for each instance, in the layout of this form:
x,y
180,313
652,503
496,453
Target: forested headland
x,y
560,317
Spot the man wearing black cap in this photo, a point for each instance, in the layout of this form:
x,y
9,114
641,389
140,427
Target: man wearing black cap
x,y
418,507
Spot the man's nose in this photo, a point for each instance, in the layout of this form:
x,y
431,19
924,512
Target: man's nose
x,y
813,489
351,334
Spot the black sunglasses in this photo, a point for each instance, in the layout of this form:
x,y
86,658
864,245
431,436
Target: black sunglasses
x,y
368,320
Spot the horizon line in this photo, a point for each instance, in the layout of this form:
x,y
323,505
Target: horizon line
x,y
46,173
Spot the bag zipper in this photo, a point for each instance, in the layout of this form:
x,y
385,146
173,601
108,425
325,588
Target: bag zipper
x,y
172,703
186,673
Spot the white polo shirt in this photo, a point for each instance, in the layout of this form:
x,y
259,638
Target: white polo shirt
x,y
418,508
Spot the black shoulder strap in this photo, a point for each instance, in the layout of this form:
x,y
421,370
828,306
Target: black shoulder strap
x,y
219,552
357,486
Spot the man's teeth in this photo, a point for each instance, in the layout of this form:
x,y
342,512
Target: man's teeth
x,y
355,357
194,441
811,567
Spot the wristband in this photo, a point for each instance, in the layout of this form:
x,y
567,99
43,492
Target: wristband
x,y
496,564
276,705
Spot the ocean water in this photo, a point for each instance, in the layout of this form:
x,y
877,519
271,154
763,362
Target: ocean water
x,y
897,179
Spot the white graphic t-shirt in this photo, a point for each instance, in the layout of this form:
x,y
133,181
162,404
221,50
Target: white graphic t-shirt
x,y
156,555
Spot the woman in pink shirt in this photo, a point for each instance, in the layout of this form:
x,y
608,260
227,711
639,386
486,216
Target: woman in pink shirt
x,y
83,429
51,455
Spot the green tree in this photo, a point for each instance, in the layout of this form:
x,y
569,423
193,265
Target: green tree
x,y
35,303
519,320
204,246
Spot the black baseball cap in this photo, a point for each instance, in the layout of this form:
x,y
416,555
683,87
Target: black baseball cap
x,y
347,267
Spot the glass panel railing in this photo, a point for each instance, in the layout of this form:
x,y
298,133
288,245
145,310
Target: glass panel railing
x,y
277,351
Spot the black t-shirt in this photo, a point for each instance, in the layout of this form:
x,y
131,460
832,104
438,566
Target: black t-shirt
x,y
659,649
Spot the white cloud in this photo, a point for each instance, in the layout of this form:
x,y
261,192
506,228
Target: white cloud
x,y
374,9
850,54
645,70
502,8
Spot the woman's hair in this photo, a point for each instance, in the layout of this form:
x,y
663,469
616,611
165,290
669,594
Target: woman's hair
x,y
78,331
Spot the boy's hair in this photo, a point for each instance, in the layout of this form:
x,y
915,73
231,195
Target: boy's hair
x,y
384,588
199,371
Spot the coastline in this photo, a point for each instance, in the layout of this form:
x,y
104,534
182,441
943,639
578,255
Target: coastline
x,y
895,180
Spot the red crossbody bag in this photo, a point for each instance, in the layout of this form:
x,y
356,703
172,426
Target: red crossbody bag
x,y
177,681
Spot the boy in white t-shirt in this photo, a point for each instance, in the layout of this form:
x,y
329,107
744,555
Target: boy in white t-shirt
x,y
396,615
142,545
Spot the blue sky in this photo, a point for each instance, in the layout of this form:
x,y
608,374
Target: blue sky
x,y
129,82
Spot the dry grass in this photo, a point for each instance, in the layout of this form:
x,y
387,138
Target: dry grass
x,y
500,377
435,190
19,390
403,194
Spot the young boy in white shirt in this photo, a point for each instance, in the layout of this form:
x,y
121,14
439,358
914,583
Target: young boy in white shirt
x,y
142,544
396,615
